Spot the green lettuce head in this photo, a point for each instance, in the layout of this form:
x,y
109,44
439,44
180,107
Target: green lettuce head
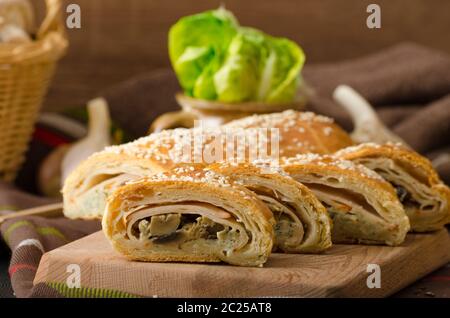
x,y
216,59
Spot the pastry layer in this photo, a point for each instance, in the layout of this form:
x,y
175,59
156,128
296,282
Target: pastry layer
x,y
424,196
302,223
88,186
196,217
364,207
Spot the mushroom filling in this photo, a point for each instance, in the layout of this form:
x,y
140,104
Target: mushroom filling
x,y
180,225
289,230
165,228
412,187
405,197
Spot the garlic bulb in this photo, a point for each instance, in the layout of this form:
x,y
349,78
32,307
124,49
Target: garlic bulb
x,y
367,125
97,139
16,21
12,34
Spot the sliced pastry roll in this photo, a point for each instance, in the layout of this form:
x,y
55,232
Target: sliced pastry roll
x,y
300,132
364,208
424,196
86,189
302,222
190,215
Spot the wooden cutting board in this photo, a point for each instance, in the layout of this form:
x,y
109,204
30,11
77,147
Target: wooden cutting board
x,y
340,272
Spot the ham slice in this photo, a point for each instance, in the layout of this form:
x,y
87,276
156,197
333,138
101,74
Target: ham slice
x,y
212,212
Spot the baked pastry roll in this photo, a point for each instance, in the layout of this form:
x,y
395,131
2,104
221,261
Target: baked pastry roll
x,y
364,208
424,196
300,132
190,215
302,222
86,189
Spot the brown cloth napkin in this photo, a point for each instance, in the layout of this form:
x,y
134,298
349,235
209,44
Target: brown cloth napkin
x,y
136,103
408,84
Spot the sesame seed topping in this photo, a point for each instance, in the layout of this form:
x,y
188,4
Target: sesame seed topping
x,y
356,148
287,119
327,131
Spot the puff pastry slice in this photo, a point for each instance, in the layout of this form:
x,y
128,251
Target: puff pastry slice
x,y
86,189
364,208
302,222
190,215
424,196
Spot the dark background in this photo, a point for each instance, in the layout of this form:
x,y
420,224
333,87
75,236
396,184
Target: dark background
x,y
119,39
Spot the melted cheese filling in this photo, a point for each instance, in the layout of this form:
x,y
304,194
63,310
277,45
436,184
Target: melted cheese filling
x,y
177,224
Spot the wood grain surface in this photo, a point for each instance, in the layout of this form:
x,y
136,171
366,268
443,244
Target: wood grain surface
x,y
340,272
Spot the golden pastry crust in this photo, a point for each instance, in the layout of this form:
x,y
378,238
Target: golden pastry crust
x,y
143,157
86,189
95,168
418,164
284,193
407,169
363,206
300,132
183,187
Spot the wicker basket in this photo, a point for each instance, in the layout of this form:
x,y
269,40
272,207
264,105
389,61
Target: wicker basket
x,y
25,73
